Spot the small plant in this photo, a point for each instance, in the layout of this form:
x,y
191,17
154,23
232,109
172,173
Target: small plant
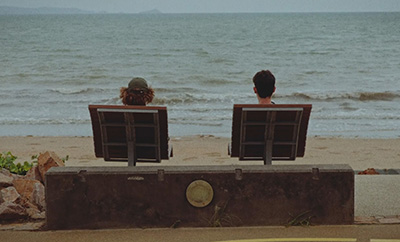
x,y
65,159
7,161
303,219
220,216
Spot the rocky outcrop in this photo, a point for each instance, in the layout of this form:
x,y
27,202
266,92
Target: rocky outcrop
x,y
9,194
369,171
34,174
11,211
23,197
31,191
47,161
6,178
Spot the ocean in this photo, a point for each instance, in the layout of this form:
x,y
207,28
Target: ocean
x,y
347,65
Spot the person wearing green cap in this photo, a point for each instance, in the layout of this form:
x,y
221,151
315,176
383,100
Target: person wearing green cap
x,y
137,92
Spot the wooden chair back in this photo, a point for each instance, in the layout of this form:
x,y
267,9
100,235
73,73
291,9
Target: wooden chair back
x,y
130,133
269,132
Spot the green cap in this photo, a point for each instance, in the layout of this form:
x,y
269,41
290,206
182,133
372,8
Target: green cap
x,y
138,83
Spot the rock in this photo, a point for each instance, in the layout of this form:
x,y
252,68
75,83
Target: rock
x,y
11,211
15,176
6,178
5,172
9,194
30,226
369,171
365,220
389,220
34,174
46,161
39,196
8,173
32,191
35,213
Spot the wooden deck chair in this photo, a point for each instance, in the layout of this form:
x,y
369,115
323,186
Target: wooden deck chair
x,y
130,133
269,132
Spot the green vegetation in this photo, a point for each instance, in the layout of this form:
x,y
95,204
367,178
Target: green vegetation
x,y
7,161
65,159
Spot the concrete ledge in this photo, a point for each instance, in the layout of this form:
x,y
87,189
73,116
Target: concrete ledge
x,y
120,197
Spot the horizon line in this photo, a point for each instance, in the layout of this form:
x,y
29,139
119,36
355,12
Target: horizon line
x,y
148,12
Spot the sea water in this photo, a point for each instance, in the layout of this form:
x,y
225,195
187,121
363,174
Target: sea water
x,y
347,65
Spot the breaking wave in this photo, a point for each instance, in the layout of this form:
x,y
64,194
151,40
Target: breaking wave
x,y
69,91
43,121
193,99
358,96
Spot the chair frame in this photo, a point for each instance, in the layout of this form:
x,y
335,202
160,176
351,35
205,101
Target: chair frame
x,y
269,126
122,119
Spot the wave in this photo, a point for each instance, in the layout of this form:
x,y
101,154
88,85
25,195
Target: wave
x,y
96,77
176,100
387,96
63,50
221,61
355,118
32,121
216,82
211,109
193,99
200,121
316,72
69,91
314,52
357,115
173,90
358,96
348,107
201,53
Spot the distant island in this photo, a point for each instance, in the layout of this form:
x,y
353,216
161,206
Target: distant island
x,y
6,10
153,11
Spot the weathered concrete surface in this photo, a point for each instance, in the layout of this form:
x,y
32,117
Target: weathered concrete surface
x,y
104,197
377,195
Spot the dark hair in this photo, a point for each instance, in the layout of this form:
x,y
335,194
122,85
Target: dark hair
x,y
136,97
264,81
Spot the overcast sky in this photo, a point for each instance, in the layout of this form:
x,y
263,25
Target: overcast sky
x,y
214,6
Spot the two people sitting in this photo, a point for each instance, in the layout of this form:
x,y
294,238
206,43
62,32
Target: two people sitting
x,y
139,92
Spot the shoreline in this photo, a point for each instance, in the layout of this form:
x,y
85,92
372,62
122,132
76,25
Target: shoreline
x,y
359,153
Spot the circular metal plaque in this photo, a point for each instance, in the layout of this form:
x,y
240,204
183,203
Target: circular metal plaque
x,y
199,193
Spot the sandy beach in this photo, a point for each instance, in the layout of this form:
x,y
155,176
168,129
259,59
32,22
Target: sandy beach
x,y
359,153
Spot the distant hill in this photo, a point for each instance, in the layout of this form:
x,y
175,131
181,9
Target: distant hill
x,y
6,10
153,11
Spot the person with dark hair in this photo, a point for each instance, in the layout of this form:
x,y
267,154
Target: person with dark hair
x,y
137,92
264,86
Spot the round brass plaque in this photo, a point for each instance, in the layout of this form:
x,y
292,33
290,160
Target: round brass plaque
x,y
199,193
